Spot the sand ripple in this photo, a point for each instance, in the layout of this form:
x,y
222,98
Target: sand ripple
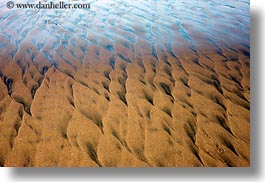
x,y
126,83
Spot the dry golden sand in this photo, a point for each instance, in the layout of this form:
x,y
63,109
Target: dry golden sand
x,y
182,109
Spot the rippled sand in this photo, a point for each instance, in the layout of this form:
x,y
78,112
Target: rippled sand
x,y
135,84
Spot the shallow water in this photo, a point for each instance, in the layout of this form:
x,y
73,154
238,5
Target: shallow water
x,y
152,24
126,83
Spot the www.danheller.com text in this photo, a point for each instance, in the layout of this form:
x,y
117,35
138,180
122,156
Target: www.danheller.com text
x,y
49,5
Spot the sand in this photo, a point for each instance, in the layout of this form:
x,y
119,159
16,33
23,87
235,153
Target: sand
x,y
126,84
180,109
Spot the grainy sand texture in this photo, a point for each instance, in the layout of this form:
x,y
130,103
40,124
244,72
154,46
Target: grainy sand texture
x,y
126,84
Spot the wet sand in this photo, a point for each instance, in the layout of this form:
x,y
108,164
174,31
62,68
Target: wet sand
x,y
146,112
68,103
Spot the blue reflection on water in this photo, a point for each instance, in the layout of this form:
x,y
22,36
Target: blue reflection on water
x,y
170,23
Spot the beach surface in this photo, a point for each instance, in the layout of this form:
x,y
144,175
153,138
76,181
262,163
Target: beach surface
x,y
76,94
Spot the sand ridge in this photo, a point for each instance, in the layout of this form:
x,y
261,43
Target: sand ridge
x,y
175,109
126,84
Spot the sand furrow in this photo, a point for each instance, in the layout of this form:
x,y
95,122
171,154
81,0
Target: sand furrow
x,y
199,116
126,84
